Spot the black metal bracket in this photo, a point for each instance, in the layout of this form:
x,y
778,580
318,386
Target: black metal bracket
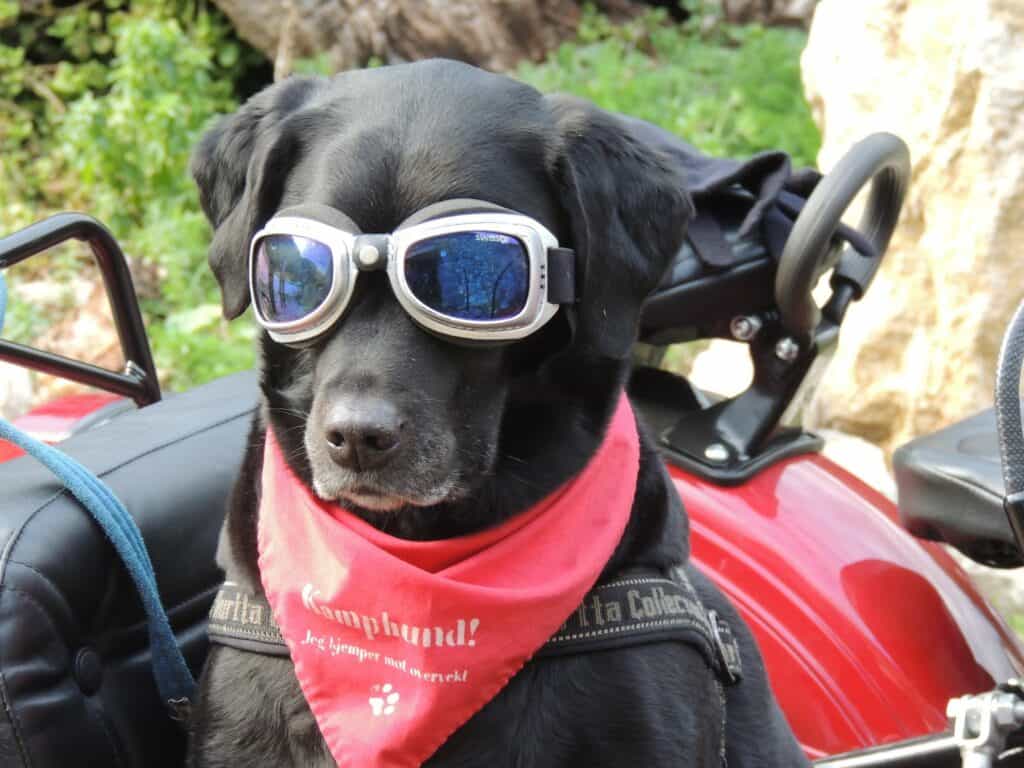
x,y
139,380
791,344
733,439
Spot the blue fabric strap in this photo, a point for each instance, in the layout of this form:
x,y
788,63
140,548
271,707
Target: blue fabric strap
x,y
174,681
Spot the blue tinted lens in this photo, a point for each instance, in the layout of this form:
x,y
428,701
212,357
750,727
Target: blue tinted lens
x,y
291,277
470,275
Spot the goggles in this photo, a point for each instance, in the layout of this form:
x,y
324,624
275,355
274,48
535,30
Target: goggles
x,y
465,269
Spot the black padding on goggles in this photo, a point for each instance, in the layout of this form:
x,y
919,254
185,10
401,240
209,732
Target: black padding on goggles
x,y
322,213
451,208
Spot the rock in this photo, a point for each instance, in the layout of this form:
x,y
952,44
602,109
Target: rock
x,y
919,351
80,327
494,34
724,368
861,458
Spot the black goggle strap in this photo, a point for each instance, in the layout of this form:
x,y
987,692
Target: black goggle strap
x,y
562,276
322,213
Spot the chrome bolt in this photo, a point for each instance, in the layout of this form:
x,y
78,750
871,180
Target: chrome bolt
x,y
787,350
745,327
368,256
716,453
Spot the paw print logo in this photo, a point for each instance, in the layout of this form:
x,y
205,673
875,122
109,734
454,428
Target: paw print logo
x,y
386,702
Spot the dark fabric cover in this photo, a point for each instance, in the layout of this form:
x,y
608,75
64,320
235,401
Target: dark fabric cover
x,y
744,212
75,678
950,489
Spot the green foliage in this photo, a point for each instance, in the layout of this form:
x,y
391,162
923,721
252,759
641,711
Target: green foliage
x,y
729,90
101,102
317,65
103,111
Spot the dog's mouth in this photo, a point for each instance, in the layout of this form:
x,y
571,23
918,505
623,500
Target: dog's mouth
x,y
379,500
376,502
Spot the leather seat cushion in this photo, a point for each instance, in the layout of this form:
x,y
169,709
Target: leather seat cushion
x,y
75,677
950,489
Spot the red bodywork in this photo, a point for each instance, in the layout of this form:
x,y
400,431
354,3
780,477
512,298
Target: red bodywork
x,y
866,631
56,420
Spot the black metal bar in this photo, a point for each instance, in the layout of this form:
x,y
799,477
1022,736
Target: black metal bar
x,y
123,384
938,751
141,383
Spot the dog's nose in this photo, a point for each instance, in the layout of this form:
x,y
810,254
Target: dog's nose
x,y
364,436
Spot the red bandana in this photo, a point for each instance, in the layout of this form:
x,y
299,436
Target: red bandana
x,y
396,643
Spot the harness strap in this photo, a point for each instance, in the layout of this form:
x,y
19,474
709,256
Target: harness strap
x,y
632,609
243,620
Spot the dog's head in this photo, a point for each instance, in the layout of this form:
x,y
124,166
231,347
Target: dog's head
x,y
378,413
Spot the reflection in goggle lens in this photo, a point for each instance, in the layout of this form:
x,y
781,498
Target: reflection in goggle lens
x,y
292,276
470,275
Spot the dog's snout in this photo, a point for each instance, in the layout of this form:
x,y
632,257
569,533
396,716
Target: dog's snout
x,y
364,435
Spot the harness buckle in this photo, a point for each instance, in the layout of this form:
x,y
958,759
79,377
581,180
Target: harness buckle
x,y
180,710
726,649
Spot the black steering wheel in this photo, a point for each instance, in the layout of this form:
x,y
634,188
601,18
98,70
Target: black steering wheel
x,y
1008,422
882,159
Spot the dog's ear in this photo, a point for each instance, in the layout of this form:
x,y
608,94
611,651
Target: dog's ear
x,y
629,211
240,166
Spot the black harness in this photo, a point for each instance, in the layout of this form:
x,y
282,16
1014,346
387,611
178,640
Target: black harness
x,y
631,609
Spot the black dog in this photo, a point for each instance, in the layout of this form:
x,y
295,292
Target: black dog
x,y
484,432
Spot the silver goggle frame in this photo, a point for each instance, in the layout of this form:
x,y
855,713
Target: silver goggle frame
x,y
350,255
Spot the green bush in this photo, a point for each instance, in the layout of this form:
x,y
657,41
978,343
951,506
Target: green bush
x,y
101,103
108,128
729,90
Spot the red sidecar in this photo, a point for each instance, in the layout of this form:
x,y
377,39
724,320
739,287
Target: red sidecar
x,y
866,630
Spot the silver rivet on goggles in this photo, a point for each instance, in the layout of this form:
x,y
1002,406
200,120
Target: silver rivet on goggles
x,y
471,271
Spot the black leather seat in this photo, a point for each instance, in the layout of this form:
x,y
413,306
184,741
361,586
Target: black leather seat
x,y
75,680
950,489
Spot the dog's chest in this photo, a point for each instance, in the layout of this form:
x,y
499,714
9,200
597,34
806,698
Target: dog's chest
x,y
651,705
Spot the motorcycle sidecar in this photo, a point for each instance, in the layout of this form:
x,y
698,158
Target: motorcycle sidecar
x,y
866,631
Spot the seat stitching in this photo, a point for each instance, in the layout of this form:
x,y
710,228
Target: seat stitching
x,y
8,703
112,736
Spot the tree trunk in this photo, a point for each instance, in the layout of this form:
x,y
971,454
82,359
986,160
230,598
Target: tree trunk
x,y
769,12
495,34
